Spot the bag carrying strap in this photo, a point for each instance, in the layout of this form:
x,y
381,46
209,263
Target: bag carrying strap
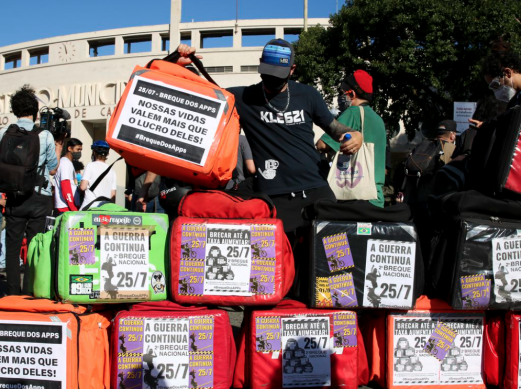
x,y
362,119
101,198
173,57
164,306
93,187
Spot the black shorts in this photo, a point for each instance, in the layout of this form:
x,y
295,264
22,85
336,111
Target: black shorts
x,y
289,207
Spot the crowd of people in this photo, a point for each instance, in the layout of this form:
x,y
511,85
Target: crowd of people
x,y
277,154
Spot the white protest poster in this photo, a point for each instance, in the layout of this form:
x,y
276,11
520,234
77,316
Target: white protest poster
x,y
227,260
33,354
169,120
306,351
412,365
124,262
389,274
463,362
166,357
506,267
463,111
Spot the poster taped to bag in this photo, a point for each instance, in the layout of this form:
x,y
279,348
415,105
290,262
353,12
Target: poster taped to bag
x,y
306,351
173,353
458,350
33,353
169,120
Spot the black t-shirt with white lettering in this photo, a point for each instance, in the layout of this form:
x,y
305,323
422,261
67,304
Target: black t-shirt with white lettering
x,y
283,144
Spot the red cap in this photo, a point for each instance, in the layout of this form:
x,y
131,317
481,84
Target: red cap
x,y
364,80
361,82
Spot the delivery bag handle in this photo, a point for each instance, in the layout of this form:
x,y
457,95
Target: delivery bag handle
x,y
163,306
173,57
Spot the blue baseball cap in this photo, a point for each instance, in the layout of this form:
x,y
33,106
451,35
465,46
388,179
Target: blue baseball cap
x,y
277,58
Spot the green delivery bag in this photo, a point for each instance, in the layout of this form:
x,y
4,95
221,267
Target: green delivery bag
x,y
103,255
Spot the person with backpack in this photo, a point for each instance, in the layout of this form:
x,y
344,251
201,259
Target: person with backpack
x,y
99,180
27,158
65,189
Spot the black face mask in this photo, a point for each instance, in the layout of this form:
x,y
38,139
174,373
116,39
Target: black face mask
x,y
343,102
76,155
274,84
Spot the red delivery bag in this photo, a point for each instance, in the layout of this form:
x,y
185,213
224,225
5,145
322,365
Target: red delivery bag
x,y
513,342
293,346
47,344
372,326
164,345
434,346
174,123
494,349
225,250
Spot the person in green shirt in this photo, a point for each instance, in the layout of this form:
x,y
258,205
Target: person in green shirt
x,y
358,88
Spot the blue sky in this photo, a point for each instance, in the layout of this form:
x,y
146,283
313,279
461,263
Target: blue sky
x,y
26,20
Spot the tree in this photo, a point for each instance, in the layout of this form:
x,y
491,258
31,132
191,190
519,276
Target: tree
x,y
423,54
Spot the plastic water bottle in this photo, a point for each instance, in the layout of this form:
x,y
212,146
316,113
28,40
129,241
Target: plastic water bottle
x,y
343,160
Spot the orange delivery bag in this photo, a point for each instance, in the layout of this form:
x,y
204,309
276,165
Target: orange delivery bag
x,y
173,122
51,345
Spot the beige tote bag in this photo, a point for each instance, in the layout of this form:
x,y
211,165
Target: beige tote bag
x,y
357,182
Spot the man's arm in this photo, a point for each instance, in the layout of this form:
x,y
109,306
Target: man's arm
x,y
143,195
247,155
66,189
53,153
337,130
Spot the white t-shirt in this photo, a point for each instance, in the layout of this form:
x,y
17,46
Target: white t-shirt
x,y
65,172
104,188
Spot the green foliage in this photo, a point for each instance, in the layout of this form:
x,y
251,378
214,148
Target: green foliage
x,y
423,54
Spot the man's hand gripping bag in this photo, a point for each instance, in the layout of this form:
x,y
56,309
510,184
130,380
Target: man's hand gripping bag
x,y
174,123
52,345
103,255
293,346
228,251
435,346
165,345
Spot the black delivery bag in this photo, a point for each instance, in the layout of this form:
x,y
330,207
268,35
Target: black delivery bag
x,y
476,252
367,263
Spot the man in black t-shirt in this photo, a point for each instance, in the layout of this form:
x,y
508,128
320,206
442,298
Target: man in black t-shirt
x,y
277,116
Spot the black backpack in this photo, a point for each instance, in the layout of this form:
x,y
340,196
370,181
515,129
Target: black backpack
x,y
19,157
421,165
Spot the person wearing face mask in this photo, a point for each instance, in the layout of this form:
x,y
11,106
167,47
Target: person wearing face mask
x,y
277,117
65,191
501,70
357,89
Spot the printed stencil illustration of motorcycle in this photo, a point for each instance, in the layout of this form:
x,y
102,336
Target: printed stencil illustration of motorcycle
x,y
188,252
263,343
186,288
256,285
193,346
431,347
335,262
76,257
257,251
469,302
